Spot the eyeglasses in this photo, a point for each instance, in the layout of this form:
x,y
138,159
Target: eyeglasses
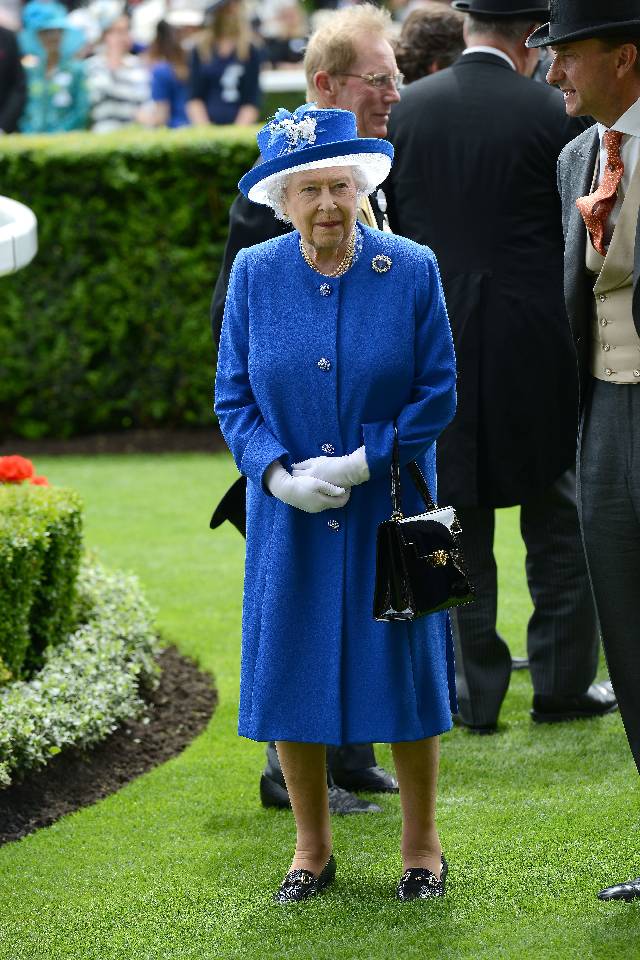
x,y
378,80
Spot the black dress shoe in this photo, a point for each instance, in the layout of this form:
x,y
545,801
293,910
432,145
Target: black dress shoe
x,y
481,729
343,802
621,891
595,702
301,884
273,794
371,779
418,883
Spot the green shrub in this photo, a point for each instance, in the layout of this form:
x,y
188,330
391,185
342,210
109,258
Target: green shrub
x,y
108,327
89,684
40,544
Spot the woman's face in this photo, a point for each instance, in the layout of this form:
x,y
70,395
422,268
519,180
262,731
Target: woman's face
x,y
118,37
322,205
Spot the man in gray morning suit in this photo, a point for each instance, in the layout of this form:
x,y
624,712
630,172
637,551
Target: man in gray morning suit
x,y
596,64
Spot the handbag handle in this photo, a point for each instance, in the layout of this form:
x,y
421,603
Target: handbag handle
x,y
416,475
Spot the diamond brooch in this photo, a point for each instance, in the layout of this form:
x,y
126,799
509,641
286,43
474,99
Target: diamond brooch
x,y
381,263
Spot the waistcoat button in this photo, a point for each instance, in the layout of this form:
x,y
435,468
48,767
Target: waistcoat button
x,y
608,371
603,297
606,347
636,373
603,321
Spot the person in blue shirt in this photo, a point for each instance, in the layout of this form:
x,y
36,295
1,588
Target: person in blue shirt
x,y
57,98
224,70
170,67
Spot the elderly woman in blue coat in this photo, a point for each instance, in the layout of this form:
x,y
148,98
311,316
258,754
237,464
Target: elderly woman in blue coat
x,y
333,334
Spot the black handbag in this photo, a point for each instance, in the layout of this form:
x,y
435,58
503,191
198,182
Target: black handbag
x,y
419,564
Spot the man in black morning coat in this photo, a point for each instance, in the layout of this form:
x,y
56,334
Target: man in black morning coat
x,y
474,177
13,86
354,766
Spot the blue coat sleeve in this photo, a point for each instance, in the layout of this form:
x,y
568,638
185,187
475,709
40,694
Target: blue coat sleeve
x,y
432,402
252,444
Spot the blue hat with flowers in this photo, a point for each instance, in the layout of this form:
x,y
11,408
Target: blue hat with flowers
x,y
311,138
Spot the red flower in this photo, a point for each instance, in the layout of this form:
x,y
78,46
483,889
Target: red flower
x,y
15,469
39,481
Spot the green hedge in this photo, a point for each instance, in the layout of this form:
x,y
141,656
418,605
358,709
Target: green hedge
x,y
40,546
108,328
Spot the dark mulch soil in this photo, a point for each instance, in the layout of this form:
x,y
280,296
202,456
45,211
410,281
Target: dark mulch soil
x,y
203,439
177,712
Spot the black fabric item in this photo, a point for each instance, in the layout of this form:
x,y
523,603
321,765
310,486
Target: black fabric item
x,y
13,83
562,638
233,507
582,19
366,779
609,504
419,565
474,178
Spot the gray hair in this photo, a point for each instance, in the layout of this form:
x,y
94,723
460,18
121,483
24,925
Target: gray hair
x,y
277,188
509,28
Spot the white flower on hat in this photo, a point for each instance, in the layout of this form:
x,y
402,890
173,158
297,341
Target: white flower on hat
x,y
295,132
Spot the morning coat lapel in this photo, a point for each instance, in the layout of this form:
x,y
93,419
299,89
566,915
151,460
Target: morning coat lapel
x,y
582,164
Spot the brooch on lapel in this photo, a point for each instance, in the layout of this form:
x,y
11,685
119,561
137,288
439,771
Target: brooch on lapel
x,y
381,263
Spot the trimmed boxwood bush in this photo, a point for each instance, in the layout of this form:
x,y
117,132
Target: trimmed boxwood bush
x,y
108,327
89,684
40,546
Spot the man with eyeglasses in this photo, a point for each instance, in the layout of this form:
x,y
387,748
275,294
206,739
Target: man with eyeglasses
x,y
474,177
349,63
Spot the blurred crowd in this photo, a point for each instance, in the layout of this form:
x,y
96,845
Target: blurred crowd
x,y
106,64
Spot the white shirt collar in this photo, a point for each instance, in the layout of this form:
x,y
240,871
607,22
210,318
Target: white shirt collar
x,y
628,123
495,52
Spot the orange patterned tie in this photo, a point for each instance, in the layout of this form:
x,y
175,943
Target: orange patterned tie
x,y
596,207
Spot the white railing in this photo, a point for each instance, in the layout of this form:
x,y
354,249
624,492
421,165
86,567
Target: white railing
x,y
18,236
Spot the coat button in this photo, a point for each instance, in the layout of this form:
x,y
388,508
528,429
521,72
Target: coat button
x,y
603,297
606,347
328,448
333,525
636,373
608,371
324,364
325,289
603,321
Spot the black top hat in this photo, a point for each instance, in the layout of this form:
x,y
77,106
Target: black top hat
x,y
504,8
583,19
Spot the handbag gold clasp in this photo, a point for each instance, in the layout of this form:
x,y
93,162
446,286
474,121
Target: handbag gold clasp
x,y
438,558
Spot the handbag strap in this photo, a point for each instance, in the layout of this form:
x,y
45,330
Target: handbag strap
x,y
416,475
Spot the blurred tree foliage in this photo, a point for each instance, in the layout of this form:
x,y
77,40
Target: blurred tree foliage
x,y
108,328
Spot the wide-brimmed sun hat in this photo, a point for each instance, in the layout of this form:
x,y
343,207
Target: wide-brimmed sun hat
x,y
311,138
584,19
504,8
40,15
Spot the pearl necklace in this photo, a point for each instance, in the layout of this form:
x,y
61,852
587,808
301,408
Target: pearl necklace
x,y
344,264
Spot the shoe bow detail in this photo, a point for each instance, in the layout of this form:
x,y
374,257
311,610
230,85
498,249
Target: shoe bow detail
x,y
301,884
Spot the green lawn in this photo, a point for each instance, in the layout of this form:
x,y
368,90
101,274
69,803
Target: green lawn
x,y
182,862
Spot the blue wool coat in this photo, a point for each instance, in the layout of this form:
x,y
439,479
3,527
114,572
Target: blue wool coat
x,y
316,666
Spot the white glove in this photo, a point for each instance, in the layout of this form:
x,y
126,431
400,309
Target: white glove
x,y
306,493
344,472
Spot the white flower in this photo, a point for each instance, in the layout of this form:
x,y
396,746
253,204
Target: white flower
x,y
302,132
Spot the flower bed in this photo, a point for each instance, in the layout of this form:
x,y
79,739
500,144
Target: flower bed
x,y
90,683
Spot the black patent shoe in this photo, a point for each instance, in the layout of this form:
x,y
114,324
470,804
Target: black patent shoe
x,y
598,700
630,890
371,779
341,802
418,883
301,884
